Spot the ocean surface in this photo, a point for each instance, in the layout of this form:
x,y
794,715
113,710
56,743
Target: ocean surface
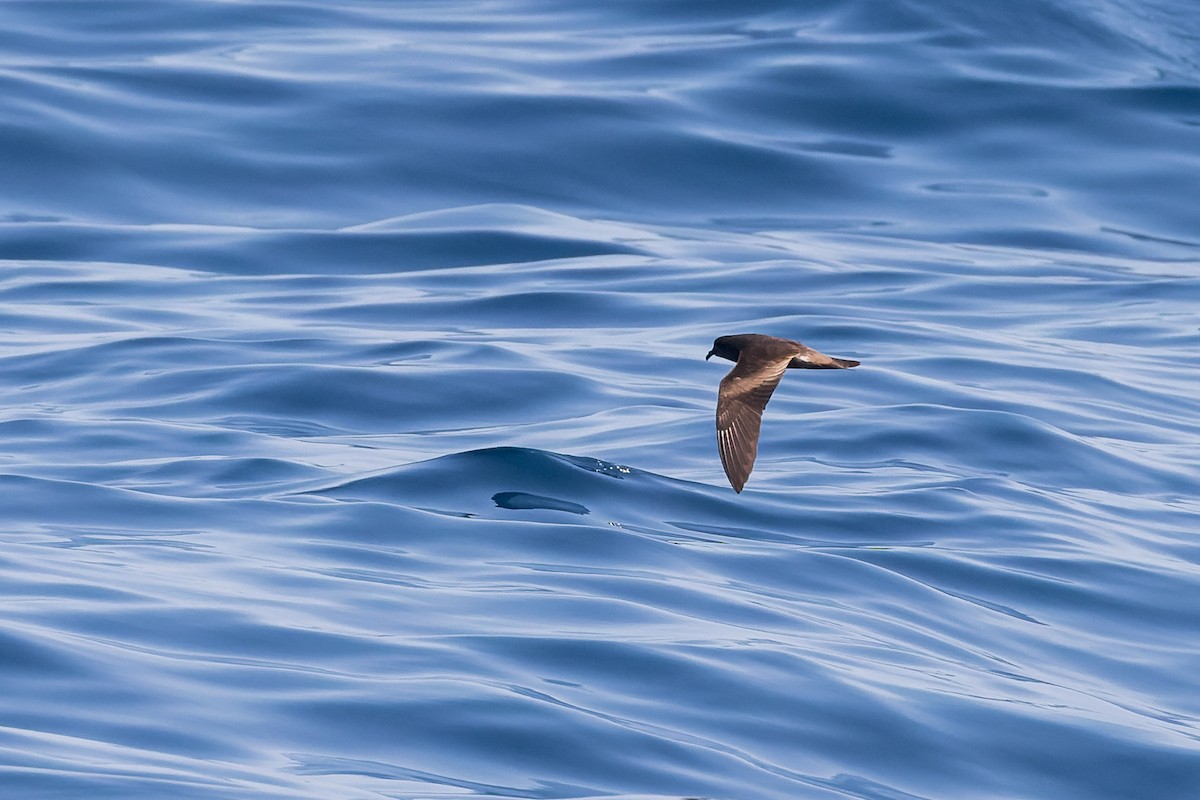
x,y
357,439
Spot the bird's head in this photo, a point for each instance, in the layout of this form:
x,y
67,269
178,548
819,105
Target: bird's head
x,y
727,347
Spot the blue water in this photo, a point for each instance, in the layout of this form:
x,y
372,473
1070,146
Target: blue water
x,y
357,440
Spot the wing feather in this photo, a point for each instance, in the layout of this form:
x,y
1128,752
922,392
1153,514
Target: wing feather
x,y
741,398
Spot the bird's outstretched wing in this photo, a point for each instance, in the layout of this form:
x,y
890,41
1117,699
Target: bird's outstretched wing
x,y
743,395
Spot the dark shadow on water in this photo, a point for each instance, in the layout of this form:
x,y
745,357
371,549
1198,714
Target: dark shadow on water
x,y
519,501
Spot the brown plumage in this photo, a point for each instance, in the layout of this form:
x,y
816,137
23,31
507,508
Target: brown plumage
x,y
761,361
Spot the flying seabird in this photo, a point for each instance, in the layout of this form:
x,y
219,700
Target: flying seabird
x,y
761,361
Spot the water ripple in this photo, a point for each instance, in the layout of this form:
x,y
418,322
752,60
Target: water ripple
x,y
358,437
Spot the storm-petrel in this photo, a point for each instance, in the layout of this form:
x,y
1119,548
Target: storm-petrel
x,y
745,391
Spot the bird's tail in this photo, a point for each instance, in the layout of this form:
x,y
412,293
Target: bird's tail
x,y
821,361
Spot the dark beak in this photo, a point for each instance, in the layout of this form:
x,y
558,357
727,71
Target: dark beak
x,y
710,355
